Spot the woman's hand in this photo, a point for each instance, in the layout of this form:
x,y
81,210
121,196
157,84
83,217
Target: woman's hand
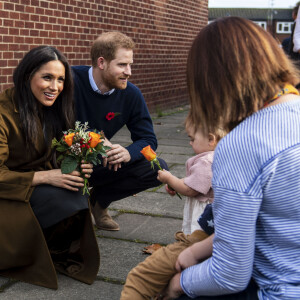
x,y
72,181
86,168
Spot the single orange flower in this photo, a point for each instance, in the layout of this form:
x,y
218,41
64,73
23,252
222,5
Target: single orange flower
x,y
148,153
69,138
95,139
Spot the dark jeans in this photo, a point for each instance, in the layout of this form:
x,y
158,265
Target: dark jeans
x,y
250,293
132,178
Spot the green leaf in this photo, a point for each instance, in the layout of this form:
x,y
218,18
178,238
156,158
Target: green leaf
x,y
94,162
60,157
61,148
152,165
54,142
102,153
68,165
104,148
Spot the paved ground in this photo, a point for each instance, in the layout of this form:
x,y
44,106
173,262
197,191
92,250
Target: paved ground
x,y
149,217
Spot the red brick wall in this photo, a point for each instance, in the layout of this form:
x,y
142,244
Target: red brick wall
x,y
162,29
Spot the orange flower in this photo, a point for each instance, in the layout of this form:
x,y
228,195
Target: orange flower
x,y
69,138
148,153
95,139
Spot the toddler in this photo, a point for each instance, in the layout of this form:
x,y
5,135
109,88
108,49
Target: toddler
x,y
152,276
197,183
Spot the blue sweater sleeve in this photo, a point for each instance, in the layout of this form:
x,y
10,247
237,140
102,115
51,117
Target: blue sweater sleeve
x,y
141,128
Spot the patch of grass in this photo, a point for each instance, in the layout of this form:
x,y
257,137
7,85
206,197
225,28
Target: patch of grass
x,y
160,113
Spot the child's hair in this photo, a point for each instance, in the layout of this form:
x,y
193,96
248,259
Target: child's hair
x,y
217,132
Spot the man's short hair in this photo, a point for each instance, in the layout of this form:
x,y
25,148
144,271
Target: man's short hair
x,y
108,43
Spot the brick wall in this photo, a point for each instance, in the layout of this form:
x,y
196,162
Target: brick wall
x,y
162,29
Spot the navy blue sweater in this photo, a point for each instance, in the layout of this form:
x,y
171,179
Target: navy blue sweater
x,y
93,108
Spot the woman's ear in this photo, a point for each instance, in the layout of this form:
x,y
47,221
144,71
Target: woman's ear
x,y
212,140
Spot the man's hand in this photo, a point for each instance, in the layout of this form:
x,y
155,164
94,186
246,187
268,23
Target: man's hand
x,y
117,155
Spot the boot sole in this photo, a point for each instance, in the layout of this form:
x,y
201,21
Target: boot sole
x,y
107,229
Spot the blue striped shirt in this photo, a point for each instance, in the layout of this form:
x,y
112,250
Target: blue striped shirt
x,y
256,182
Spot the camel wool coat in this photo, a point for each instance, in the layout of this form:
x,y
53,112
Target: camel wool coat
x,y
24,254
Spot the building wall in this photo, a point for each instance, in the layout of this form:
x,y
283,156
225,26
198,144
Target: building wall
x,y
162,29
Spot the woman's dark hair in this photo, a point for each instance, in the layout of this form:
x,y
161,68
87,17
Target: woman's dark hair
x,y
53,119
234,67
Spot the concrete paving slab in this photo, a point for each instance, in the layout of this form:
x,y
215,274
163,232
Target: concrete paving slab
x,y
68,289
151,203
178,170
174,126
170,133
180,150
178,158
145,228
173,141
122,140
178,118
118,257
170,121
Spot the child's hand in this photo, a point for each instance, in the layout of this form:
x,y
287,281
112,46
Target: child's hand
x,y
163,176
185,259
170,191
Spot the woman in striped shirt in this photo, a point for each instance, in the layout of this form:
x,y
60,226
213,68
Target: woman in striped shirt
x,y
240,80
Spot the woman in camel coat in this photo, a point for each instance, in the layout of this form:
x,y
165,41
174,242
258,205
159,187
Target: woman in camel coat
x,y
44,218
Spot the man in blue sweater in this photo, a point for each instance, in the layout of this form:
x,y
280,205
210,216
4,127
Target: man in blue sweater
x,y
107,101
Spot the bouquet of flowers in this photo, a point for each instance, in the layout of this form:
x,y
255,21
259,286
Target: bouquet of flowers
x,y
79,144
151,156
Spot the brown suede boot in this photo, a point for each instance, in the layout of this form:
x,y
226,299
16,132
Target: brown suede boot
x,y
102,219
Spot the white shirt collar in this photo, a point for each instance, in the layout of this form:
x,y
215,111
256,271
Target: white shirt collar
x,y
94,85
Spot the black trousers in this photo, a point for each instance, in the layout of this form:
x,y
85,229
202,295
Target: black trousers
x,y
52,204
250,293
132,178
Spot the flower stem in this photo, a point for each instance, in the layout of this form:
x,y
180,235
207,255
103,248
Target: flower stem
x,y
85,189
156,161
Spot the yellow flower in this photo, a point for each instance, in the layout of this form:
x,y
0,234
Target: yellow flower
x,y
69,138
148,153
95,139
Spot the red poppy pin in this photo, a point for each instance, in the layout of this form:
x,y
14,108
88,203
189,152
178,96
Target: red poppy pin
x,y
111,115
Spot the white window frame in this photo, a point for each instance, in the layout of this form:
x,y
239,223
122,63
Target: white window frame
x,y
262,24
284,27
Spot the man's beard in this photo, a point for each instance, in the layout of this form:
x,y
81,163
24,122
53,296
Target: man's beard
x,y
112,82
